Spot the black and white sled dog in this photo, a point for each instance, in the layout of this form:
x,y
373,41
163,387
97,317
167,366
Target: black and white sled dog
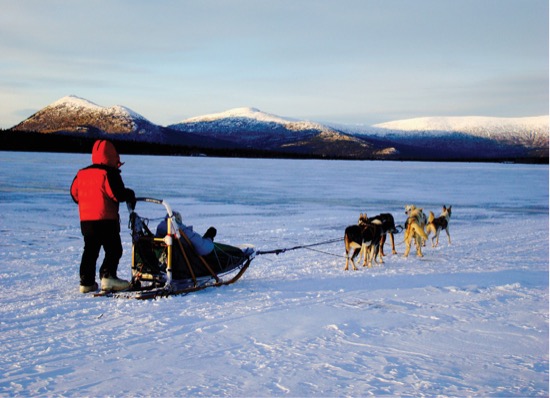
x,y
356,238
387,223
436,225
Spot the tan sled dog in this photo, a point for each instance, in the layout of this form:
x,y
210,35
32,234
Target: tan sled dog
x,y
415,229
435,225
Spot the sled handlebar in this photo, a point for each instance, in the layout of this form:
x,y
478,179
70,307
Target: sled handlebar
x,y
153,200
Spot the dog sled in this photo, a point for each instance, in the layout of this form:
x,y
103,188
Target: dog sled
x,y
170,264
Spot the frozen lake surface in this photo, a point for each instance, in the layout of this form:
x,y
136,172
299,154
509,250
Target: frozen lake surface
x,y
469,318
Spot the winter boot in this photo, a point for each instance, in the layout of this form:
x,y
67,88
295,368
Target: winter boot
x,y
210,234
114,284
88,289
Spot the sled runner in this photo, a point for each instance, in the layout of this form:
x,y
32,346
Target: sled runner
x,y
169,264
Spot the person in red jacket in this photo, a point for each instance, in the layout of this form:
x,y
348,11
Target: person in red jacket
x,y
98,189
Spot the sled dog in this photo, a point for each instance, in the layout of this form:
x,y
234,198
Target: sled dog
x,y
357,237
436,225
414,229
423,220
352,242
387,223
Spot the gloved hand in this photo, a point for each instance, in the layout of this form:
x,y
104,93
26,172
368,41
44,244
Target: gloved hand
x,y
178,218
131,198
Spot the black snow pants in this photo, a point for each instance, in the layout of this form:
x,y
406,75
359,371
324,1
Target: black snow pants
x,y
97,234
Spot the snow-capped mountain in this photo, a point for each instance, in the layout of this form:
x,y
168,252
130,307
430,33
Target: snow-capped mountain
x,y
254,115
72,114
528,131
459,137
252,128
249,128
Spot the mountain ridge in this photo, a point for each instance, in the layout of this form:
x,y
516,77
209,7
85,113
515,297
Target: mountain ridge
x,y
72,114
251,128
254,129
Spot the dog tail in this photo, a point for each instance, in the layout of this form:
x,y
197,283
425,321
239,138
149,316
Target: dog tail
x,y
431,218
419,230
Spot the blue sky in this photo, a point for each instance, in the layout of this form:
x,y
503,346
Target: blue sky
x,y
345,61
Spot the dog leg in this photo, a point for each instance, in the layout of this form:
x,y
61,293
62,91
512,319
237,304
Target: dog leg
x,y
429,230
355,253
382,241
435,240
378,254
371,251
417,241
407,240
419,246
437,237
367,263
448,234
407,246
348,259
393,251
352,250
421,237
363,254
347,248
367,247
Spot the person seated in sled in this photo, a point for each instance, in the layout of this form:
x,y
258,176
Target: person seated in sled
x,y
203,244
219,257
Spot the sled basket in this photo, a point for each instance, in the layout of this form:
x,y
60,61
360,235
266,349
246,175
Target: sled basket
x,y
170,264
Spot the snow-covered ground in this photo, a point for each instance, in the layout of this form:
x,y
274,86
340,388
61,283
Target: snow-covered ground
x,y
470,318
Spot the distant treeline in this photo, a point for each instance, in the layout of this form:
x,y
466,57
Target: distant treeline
x,y
69,143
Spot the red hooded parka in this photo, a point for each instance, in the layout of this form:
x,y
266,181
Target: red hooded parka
x,y
98,189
